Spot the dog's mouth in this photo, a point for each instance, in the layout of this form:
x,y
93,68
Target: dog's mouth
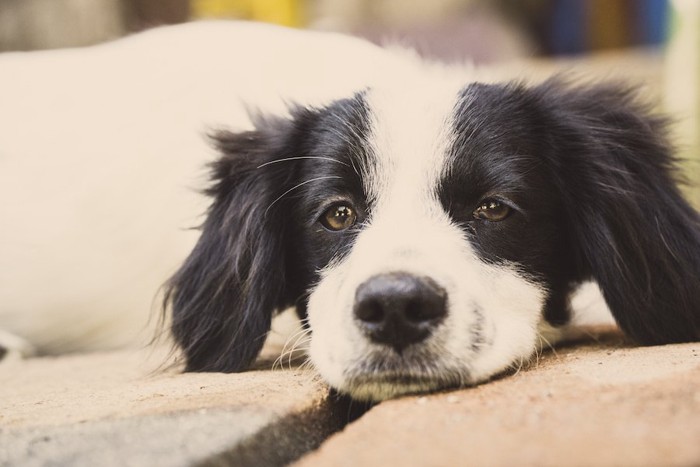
x,y
379,386
384,378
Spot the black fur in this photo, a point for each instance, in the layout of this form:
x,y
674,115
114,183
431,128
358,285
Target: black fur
x,y
587,170
591,176
497,153
253,257
630,228
224,295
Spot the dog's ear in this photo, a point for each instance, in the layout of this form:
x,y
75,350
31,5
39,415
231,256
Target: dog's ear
x,y
224,295
631,229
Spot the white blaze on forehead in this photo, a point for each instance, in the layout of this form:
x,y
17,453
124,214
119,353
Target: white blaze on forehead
x,y
493,311
411,122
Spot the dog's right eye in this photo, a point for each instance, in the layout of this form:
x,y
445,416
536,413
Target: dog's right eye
x,y
338,217
492,210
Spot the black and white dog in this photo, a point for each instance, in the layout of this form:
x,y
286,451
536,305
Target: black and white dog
x,y
428,223
431,228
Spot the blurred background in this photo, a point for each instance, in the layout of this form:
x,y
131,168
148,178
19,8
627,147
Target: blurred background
x,y
487,30
653,42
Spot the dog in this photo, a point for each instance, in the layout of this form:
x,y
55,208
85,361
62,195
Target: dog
x,y
429,223
431,228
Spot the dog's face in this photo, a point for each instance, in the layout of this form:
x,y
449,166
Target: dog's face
x,y
429,260
429,237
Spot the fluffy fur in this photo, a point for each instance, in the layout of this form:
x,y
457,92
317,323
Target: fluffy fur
x,y
102,156
585,172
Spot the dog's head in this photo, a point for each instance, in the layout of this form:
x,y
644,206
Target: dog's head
x,y
428,237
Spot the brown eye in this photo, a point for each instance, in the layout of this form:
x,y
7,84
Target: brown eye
x,y
492,210
338,217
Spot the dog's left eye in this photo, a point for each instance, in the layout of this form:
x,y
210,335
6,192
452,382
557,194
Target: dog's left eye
x,y
492,210
338,217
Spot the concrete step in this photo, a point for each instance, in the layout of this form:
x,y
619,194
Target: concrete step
x,y
120,408
597,404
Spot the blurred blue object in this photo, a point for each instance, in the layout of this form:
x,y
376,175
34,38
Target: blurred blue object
x,y
653,17
572,28
568,28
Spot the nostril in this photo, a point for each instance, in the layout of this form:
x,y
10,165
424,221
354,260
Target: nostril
x,y
370,311
414,311
418,311
429,305
399,309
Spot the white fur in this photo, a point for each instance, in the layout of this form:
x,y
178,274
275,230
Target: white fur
x,y
409,231
102,154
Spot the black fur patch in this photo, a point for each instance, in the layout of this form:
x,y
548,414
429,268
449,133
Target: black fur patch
x,y
497,153
591,178
261,245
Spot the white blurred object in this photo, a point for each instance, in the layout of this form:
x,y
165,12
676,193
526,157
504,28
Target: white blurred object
x,y
347,14
682,80
447,30
43,24
102,154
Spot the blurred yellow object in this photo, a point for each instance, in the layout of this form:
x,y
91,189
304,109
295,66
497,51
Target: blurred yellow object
x,y
284,12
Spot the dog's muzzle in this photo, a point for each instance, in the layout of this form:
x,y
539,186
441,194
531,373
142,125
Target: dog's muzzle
x,y
399,309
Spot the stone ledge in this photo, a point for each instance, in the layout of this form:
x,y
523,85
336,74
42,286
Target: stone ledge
x,y
119,408
595,404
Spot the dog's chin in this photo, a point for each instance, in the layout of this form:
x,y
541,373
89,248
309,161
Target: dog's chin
x,y
381,376
379,387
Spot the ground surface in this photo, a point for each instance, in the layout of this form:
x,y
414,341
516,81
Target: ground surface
x,y
596,404
600,402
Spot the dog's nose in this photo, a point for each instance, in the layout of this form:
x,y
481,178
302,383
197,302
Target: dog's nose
x,y
399,309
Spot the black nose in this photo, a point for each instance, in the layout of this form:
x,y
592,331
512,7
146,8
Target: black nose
x,y
399,309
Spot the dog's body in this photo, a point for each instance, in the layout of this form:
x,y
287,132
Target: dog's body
x,y
102,161
429,223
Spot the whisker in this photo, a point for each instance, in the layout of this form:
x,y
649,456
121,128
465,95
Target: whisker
x,y
300,332
295,187
301,341
297,337
286,159
521,364
549,344
306,365
538,354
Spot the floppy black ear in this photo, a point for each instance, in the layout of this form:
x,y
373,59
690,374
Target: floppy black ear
x,y
224,295
631,229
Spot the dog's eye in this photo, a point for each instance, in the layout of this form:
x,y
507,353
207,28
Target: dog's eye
x,y
492,210
338,217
